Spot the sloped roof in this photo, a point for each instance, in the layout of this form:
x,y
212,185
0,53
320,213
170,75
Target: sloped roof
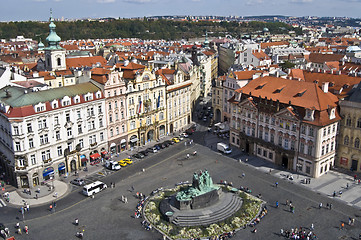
x,y
321,58
297,74
270,44
246,75
18,98
302,94
85,61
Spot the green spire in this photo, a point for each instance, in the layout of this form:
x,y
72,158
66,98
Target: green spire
x,y
53,39
206,42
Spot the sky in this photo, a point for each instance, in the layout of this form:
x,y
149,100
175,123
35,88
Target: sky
x,y
23,10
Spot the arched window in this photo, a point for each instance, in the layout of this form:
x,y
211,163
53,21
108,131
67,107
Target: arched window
x,y
359,123
348,121
346,140
59,61
357,143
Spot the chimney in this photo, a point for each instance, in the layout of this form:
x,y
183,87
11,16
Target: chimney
x,y
331,71
339,72
325,87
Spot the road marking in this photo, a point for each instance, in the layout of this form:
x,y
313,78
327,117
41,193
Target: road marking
x,y
2,203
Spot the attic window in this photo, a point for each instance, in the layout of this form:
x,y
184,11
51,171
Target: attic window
x,y
278,90
260,86
299,94
346,86
316,81
331,84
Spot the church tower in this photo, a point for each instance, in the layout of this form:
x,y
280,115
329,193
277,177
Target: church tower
x,y
54,54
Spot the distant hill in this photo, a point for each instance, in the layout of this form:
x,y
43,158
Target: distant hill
x,y
144,29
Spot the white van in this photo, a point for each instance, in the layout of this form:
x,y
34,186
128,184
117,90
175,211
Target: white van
x,y
224,148
112,165
92,188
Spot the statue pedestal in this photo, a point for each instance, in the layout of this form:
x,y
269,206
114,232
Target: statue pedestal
x,y
201,201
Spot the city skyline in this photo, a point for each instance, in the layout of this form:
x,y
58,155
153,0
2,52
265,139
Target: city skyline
x,y
38,10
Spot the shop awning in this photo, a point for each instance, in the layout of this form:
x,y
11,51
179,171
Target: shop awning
x,y
82,156
95,155
134,140
84,159
104,152
61,166
123,141
48,171
112,145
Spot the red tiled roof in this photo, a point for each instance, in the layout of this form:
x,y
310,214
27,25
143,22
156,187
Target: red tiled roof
x,y
85,61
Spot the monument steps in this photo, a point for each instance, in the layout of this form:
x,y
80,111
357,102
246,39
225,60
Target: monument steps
x,y
220,213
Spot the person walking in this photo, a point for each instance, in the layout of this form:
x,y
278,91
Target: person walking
x,y
320,206
276,204
276,184
26,229
312,227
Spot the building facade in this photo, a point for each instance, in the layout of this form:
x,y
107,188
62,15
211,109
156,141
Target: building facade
x,y
146,98
349,151
53,132
289,123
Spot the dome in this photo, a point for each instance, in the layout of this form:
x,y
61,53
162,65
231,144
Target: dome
x,y
53,37
41,44
265,30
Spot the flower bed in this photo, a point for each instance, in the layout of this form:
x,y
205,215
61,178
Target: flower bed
x,y
251,207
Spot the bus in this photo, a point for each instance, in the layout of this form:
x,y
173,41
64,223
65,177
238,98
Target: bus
x,y
92,188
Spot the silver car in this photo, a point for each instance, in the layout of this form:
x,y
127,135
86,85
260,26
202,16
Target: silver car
x,y
78,181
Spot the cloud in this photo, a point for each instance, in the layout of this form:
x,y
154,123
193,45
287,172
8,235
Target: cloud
x,y
301,1
254,2
105,1
137,1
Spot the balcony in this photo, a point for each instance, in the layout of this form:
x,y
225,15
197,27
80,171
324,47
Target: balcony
x,y
46,161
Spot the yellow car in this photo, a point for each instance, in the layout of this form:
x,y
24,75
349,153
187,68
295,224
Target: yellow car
x,y
122,163
175,139
127,160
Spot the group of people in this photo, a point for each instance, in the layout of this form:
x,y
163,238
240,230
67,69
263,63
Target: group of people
x,y
300,233
139,208
18,228
146,225
258,218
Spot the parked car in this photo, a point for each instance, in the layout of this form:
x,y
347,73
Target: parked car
x,y
185,135
169,142
112,165
152,150
122,163
175,139
138,155
145,153
166,144
78,181
157,147
180,137
127,160
205,119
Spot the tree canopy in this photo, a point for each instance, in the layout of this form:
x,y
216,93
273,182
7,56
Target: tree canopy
x,y
144,29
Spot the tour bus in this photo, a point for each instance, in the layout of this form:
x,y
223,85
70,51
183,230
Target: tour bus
x,y
92,188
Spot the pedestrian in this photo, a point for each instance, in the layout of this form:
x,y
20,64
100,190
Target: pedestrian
x,y
334,193
113,185
26,229
287,202
276,184
126,200
347,186
132,188
312,227
342,225
27,207
123,199
330,206
277,204
51,207
320,206
243,175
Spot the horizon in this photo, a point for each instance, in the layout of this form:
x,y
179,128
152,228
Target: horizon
x,y
39,10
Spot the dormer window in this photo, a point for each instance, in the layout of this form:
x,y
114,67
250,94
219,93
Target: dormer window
x,y
98,94
309,114
55,104
40,107
333,113
66,101
77,99
88,97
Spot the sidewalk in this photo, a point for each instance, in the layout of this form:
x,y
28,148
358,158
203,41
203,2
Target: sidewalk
x,y
338,181
61,187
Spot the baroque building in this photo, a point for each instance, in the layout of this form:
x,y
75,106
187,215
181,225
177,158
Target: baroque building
x,y
289,123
